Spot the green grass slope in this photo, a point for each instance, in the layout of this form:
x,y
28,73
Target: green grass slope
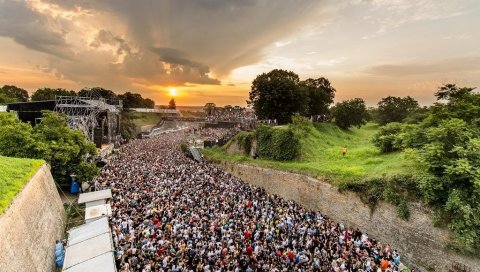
x,y
322,155
144,118
14,174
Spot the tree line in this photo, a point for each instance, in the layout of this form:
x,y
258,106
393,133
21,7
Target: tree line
x,y
279,94
10,94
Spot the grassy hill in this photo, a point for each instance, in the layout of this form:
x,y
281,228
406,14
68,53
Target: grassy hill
x,y
144,118
321,155
14,174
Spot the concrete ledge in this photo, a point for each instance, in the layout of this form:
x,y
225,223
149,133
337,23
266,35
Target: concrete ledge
x,y
421,245
30,226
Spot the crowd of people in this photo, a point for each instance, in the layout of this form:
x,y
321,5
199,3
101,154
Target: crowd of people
x,y
218,134
170,213
233,114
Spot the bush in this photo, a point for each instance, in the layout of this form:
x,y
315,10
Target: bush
x,y
278,144
244,141
286,145
387,138
396,190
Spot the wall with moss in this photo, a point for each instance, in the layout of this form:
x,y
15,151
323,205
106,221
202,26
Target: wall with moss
x,y
30,226
421,245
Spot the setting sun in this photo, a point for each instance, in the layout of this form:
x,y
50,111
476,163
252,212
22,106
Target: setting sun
x,y
172,92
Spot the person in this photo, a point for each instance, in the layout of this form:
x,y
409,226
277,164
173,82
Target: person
x,y
171,213
344,151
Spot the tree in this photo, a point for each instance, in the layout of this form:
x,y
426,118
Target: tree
x,y
172,105
447,145
395,109
16,138
98,92
67,151
320,94
14,93
5,99
275,95
135,100
209,108
50,94
350,113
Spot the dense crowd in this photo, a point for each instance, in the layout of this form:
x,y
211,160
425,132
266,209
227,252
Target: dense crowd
x,y
232,115
218,134
174,214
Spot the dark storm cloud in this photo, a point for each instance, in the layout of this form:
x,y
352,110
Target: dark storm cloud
x,y
106,37
29,28
222,34
159,42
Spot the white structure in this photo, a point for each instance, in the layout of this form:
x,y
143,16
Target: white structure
x,y
90,248
92,196
3,108
95,204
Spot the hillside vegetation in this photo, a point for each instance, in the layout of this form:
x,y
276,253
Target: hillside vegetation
x,y
14,174
144,118
321,155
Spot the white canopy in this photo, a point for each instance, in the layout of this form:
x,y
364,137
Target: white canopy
x,y
88,231
85,251
95,212
92,196
102,263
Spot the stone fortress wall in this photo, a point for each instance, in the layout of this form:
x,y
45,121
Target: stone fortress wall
x,y
29,228
421,245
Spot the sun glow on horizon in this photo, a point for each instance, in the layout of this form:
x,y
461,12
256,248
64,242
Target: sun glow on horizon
x,y
172,92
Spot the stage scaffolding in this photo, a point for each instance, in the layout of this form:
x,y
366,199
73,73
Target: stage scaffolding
x,y
84,113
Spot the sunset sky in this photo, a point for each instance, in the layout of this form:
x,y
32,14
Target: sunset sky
x,y
211,50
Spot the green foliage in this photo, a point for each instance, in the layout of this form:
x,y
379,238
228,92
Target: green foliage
x,y
446,143
350,113
12,93
128,130
321,155
49,94
279,144
396,190
320,94
135,100
14,174
279,94
66,150
395,109
301,126
5,98
17,139
274,95
244,140
97,92
387,139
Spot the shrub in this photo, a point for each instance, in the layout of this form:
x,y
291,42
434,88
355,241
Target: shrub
x,y
286,145
278,144
244,141
387,138
396,190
